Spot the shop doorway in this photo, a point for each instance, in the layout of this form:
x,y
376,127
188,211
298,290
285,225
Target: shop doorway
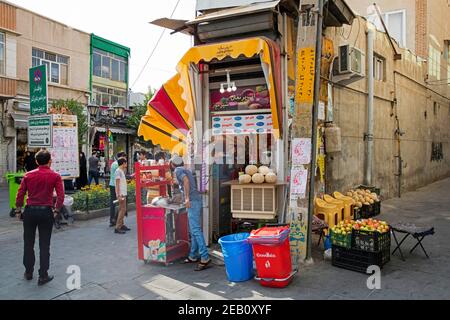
x,y
238,103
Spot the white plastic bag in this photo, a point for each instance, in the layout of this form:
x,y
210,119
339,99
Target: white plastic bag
x,y
68,201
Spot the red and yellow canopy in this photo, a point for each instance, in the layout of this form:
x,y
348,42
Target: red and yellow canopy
x,y
172,110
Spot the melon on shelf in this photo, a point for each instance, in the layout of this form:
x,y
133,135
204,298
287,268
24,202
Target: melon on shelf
x,y
258,178
251,170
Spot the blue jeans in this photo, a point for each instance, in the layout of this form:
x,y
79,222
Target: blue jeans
x,y
198,245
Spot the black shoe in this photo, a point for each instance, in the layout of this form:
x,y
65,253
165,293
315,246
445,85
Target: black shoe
x,y
44,280
125,228
28,276
119,231
112,225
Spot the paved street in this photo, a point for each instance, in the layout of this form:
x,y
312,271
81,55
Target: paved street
x,y
110,269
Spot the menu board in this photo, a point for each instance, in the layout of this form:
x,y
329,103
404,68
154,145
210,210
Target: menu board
x,y
242,124
65,157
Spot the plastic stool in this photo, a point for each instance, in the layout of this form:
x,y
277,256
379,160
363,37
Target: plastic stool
x,y
348,205
338,203
326,212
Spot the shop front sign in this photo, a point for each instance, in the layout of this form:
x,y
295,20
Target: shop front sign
x,y
40,129
38,90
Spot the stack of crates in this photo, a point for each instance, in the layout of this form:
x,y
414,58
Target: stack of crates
x,y
371,211
367,249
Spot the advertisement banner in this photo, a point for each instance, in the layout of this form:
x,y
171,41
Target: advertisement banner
x,y
65,156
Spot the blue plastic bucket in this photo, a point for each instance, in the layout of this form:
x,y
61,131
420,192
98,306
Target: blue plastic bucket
x,y
238,256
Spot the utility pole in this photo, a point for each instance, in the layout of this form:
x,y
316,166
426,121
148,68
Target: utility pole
x,y
307,96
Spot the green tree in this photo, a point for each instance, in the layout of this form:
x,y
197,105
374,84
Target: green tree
x,y
139,111
77,109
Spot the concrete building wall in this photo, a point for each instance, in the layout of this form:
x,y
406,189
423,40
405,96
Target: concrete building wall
x,y
46,34
423,116
365,8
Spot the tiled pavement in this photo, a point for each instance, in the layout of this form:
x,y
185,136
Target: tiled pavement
x,y
110,269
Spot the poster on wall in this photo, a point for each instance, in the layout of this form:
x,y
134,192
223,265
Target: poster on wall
x,y
299,178
243,99
65,157
301,151
242,125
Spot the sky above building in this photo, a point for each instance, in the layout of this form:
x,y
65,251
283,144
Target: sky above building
x,y
127,23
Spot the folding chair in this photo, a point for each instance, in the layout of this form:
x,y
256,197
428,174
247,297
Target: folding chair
x,y
418,233
318,227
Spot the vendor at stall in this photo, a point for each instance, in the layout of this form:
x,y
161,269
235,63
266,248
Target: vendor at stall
x,y
193,201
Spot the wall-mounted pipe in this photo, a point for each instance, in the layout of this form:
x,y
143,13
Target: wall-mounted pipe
x,y
370,88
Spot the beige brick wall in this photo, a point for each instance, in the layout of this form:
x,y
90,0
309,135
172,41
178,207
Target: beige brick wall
x,y
405,82
360,7
421,28
45,34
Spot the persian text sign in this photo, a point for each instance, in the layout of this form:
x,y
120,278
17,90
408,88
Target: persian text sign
x,y
40,132
38,90
305,75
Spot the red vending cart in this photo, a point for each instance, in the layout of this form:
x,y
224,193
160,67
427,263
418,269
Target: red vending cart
x,y
163,235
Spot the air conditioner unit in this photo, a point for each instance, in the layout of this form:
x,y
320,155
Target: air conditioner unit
x,y
350,65
351,60
254,202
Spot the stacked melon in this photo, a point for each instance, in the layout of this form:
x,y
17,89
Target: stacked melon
x,y
363,197
256,175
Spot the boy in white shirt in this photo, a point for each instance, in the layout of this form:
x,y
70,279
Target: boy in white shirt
x,y
121,193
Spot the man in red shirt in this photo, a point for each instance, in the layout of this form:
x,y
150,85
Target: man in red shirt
x,y
39,213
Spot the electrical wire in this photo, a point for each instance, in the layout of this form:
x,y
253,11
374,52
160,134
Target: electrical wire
x,y
156,46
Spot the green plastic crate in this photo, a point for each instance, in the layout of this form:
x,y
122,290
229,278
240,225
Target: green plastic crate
x,y
344,241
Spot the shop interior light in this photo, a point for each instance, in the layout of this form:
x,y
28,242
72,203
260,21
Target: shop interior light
x,y
231,86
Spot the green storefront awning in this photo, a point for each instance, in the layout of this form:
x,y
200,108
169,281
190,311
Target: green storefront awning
x,y
109,46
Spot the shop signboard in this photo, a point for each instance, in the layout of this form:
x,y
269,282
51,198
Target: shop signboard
x,y
38,90
40,132
65,157
242,124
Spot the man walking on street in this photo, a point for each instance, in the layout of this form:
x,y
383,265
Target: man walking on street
x,y
193,200
39,213
112,190
121,194
94,172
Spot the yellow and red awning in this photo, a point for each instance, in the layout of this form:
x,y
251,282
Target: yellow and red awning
x,y
172,110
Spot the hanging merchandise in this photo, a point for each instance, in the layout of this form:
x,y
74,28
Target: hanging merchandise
x,y
321,165
110,136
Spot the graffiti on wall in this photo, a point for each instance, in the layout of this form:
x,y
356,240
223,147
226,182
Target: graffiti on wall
x,y
437,151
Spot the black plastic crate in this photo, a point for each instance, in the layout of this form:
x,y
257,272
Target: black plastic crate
x,y
358,260
376,209
367,212
371,241
372,189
